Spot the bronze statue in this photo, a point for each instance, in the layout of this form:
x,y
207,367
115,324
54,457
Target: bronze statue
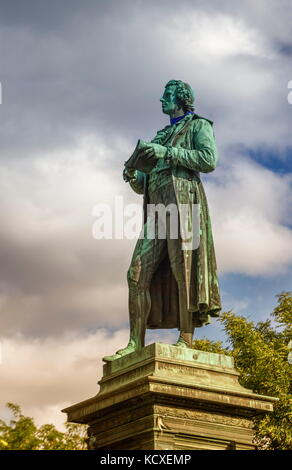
x,y
172,287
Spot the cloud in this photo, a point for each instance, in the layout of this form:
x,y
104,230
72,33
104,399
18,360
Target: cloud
x,y
217,36
102,69
251,213
45,375
54,275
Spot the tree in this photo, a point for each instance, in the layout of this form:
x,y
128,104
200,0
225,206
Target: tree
x,y
22,434
260,354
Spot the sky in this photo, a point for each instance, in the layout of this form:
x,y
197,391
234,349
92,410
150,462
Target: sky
x,y
81,82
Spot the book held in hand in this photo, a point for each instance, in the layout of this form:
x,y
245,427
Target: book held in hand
x,y
139,161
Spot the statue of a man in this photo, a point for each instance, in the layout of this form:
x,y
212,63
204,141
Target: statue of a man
x,y
170,286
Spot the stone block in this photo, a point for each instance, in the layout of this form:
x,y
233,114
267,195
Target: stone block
x,y
165,397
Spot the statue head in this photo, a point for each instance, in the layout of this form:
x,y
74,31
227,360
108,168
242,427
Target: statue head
x,y
178,98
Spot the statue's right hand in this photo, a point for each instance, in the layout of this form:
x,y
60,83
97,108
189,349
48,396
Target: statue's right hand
x,y
129,174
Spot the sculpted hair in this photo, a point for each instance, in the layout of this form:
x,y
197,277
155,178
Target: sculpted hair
x,y
184,94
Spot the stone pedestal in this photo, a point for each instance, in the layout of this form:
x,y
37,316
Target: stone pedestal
x,y
169,398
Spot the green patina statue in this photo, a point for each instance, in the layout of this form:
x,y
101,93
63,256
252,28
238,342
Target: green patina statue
x,y
170,286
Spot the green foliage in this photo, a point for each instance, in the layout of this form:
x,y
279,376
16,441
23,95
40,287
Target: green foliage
x,y
210,346
283,314
22,434
260,354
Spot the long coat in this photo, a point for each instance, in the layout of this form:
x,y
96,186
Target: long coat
x,y
193,150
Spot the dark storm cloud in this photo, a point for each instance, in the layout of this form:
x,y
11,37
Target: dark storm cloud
x,y
285,49
71,68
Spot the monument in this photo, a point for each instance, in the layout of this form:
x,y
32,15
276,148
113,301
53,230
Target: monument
x,y
172,287
171,396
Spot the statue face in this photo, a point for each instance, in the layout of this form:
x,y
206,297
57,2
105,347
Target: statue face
x,y
168,100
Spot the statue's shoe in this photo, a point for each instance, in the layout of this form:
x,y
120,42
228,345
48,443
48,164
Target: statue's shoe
x,y
131,347
120,353
111,358
181,344
184,340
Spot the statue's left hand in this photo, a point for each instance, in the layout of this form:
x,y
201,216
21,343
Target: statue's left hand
x,y
154,150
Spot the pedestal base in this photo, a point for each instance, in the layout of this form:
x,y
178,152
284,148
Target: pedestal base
x,y
169,398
